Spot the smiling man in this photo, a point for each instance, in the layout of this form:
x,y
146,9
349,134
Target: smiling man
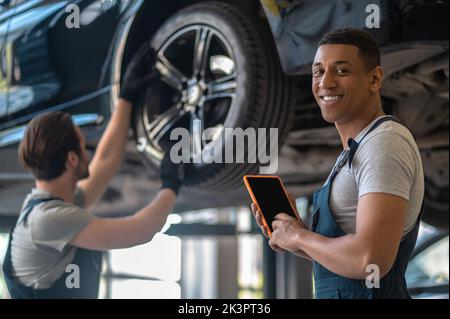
x,y
366,216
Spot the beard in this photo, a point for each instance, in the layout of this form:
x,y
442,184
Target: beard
x,y
82,171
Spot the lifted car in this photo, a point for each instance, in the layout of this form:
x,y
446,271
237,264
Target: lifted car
x,y
230,64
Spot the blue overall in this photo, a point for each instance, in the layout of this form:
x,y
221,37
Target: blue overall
x,y
88,261
329,285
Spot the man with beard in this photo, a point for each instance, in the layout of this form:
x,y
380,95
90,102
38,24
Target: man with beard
x,y
55,249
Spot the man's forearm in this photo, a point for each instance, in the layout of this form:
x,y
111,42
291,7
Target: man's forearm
x,y
111,147
152,218
302,254
344,256
109,154
143,226
138,229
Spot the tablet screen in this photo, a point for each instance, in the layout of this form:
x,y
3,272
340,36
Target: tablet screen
x,y
271,197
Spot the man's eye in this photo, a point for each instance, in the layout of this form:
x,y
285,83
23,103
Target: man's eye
x,y
341,71
317,73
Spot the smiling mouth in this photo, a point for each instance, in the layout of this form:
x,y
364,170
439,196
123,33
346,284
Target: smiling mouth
x,y
331,98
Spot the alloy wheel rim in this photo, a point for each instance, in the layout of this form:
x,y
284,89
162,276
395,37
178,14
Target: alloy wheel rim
x,y
212,81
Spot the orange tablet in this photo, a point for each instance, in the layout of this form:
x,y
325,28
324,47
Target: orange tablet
x,y
270,196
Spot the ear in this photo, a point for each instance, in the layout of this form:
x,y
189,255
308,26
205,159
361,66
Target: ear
x,y
72,159
376,79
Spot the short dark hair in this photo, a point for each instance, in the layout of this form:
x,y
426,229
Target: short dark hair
x,y
368,47
47,141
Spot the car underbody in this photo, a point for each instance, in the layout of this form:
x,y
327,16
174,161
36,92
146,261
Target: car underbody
x,y
271,89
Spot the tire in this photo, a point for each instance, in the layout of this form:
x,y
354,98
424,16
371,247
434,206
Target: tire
x,y
263,96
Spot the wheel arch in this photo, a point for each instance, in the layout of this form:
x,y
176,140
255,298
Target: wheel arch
x,y
150,17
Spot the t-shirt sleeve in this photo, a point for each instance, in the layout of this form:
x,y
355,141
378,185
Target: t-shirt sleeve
x,y
385,163
56,226
79,198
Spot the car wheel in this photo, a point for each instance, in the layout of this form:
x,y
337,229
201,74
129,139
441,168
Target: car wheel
x,y
220,66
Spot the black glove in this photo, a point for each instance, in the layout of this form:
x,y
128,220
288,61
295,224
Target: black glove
x,y
139,73
172,175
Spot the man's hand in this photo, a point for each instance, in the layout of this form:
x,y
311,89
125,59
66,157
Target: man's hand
x,y
275,246
139,73
264,229
285,230
171,174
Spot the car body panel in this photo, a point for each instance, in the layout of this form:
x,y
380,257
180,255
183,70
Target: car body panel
x,y
297,26
53,67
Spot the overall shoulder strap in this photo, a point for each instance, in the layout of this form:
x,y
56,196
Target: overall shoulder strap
x,y
30,205
353,145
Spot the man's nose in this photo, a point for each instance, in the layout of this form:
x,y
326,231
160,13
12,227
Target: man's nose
x,y
328,80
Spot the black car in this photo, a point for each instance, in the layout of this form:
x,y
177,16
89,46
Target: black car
x,y
229,63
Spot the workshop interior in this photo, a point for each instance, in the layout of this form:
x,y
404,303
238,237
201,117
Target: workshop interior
x,y
220,65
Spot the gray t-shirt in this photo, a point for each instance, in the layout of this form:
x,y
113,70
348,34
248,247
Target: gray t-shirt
x,y
40,249
387,161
